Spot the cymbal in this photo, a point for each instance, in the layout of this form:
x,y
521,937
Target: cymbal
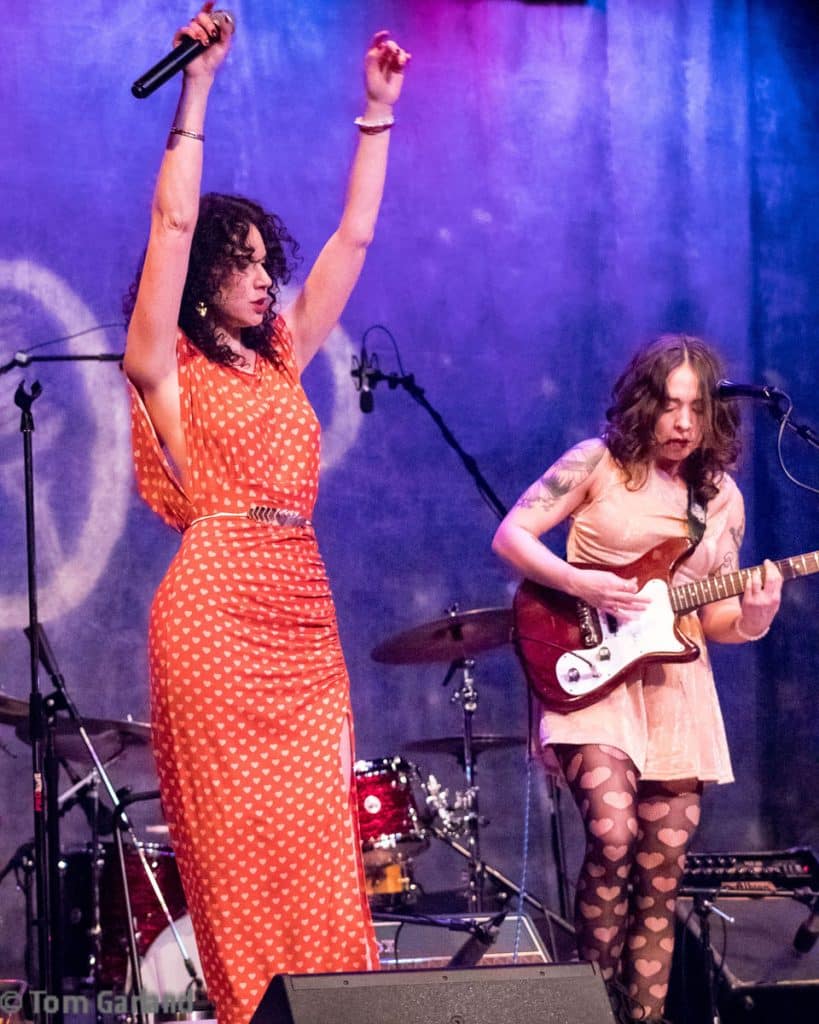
x,y
447,639
12,710
454,745
109,736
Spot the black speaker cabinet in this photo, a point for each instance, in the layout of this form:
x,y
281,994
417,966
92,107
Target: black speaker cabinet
x,y
548,994
760,978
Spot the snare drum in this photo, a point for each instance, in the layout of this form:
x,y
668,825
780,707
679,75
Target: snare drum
x,y
391,830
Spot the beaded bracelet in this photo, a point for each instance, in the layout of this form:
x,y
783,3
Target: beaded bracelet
x,y
747,636
382,124
188,135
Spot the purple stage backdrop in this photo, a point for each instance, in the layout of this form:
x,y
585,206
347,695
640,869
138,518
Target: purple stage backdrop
x,y
565,180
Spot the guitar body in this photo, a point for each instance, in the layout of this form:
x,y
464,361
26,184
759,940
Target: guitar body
x,y
574,654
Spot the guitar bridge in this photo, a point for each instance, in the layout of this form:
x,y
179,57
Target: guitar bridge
x,y
589,623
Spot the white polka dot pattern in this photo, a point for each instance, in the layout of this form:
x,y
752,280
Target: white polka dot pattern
x,y
249,690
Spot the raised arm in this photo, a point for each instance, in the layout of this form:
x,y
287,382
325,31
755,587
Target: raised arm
x,y
550,500
150,358
318,306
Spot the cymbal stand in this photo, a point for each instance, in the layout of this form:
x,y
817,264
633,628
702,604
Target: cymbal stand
x,y
467,696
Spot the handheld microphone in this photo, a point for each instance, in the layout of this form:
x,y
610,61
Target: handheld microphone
x,y
179,57
808,931
727,390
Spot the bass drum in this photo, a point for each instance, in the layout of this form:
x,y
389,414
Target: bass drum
x,y
163,969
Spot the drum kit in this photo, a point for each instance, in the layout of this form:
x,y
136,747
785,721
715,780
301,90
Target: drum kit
x,y
107,895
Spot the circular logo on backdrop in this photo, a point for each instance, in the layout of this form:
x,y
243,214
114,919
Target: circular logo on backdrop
x,y
81,445
82,470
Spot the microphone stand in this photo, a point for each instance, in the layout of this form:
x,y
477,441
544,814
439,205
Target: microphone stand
x,y
481,935
368,377
22,359
44,762
780,414
407,382
42,733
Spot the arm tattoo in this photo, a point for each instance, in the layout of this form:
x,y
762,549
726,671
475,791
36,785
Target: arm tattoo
x,y
568,472
730,560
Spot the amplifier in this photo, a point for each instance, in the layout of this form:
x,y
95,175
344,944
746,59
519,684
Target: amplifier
x,y
415,944
760,978
774,872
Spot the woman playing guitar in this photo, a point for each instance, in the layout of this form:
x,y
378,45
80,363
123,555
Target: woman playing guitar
x,y
636,759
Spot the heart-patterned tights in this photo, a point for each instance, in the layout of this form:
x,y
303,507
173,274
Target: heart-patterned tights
x,y
637,833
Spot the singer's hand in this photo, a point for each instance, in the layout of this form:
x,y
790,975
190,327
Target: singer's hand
x,y
384,69
215,35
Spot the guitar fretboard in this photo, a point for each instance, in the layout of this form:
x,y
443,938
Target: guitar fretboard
x,y
688,596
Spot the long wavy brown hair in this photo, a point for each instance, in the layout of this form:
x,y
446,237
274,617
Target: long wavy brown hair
x,y
219,247
639,396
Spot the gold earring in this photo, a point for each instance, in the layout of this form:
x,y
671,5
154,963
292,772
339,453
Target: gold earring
x,y
201,309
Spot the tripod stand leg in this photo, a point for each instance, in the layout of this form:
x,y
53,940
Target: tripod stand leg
x,y
503,882
558,847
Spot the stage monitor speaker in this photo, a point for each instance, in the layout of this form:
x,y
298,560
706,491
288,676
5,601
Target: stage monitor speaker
x,y
761,979
408,945
548,994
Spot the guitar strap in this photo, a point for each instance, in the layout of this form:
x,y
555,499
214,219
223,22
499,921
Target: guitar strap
x,y
695,514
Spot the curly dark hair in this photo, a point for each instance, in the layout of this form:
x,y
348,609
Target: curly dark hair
x,y
639,397
219,248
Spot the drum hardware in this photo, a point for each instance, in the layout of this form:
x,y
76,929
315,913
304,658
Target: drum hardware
x,y
455,816
389,823
133,950
455,638
68,739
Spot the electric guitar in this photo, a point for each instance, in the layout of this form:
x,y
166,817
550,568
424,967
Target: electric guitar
x,y
573,654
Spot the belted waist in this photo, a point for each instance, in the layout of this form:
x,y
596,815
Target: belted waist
x,y
261,514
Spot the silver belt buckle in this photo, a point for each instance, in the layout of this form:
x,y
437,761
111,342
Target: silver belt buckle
x,y
279,516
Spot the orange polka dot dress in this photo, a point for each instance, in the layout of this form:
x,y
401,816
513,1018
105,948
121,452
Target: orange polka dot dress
x,y
249,690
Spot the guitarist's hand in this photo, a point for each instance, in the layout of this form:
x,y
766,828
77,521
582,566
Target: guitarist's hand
x,y
760,601
607,591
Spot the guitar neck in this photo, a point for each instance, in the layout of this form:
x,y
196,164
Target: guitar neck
x,y
687,596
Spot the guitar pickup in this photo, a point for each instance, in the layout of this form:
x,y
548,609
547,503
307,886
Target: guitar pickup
x,y
589,622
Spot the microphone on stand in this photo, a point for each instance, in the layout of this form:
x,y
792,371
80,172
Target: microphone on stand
x,y
483,936
727,390
179,57
808,932
362,370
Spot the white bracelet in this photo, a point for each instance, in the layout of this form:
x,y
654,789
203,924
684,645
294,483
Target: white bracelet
x,y
747,636
376,126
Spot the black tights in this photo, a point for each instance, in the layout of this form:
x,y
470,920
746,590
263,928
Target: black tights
x,y
637,833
